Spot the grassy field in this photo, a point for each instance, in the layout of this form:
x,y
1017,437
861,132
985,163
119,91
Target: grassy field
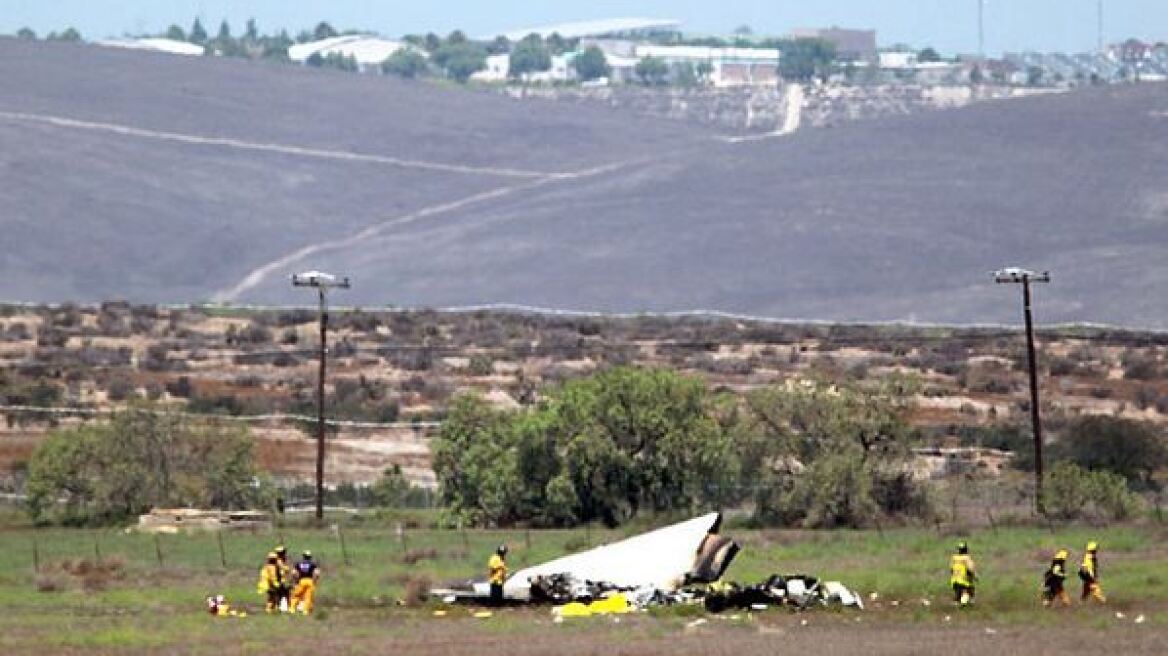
x,y
113,591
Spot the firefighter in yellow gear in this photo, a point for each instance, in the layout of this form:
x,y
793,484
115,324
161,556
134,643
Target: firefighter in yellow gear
x,y
271,582
307,574
1054,582
497,574
285,589
1089,574
962,575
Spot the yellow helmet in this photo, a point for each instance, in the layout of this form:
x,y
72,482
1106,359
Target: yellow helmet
x,y
1061,555
271,555
1092,546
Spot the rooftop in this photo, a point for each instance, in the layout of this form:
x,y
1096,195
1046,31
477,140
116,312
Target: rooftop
x,y
598,28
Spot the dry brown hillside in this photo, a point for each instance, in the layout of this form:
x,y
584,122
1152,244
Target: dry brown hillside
x,y
393,373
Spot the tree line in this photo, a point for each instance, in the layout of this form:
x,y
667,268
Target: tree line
x,y
607,447
629,440
458,57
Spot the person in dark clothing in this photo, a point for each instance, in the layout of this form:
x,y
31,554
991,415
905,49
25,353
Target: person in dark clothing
x,y
1054,582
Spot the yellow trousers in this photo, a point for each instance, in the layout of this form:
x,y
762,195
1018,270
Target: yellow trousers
x,y
1052,598
303,596
1093,590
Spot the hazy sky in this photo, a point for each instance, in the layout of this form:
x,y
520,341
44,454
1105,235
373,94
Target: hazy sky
x,y
950,25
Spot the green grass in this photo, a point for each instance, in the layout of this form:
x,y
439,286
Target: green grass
x,y
148,606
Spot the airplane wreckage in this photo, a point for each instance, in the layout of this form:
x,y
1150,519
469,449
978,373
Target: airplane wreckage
x,y
678,564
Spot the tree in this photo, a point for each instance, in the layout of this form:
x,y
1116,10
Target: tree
x,y
1132,449
601,448
530,55
197,33
176,33
392,489
558,45
406,62
103,473
251,31
685,75
591,64
828,455
805,59
705,69
1073,492
928,55
224,31
323,31
500,46
26,34
651,71
1035,76
460,60
640,437
69,35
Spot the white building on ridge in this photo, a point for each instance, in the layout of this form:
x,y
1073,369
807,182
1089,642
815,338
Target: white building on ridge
x,y
368,50
169,46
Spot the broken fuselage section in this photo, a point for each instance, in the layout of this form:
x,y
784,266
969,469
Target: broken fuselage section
x,y
664,560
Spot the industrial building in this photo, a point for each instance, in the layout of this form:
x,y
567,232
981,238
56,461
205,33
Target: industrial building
x,y
610,28
850,45
367,50
168,46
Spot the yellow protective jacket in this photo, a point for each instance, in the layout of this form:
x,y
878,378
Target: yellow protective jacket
x,y
269,578
961,570
496,569
1090,567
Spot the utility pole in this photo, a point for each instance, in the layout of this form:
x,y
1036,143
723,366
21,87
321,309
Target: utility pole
x,y
1100,25
981,28
322,282
1016,275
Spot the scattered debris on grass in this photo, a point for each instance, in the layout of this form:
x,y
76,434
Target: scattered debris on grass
x,y
681,564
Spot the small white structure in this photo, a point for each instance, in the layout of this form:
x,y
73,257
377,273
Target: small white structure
x,y
898,60
498,70
368,50
168,46
732,67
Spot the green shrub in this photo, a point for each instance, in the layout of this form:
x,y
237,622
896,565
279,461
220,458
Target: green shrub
x,y
106,473
1073,492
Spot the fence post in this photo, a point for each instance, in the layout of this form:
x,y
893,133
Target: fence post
x,y
401,536
527,539
344,549
158,551
36,555
222,551
96,549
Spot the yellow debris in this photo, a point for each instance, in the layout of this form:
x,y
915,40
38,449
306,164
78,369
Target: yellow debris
x,y
617,604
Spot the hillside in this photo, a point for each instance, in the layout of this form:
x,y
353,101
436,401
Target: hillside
x,y
253,364
156,178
